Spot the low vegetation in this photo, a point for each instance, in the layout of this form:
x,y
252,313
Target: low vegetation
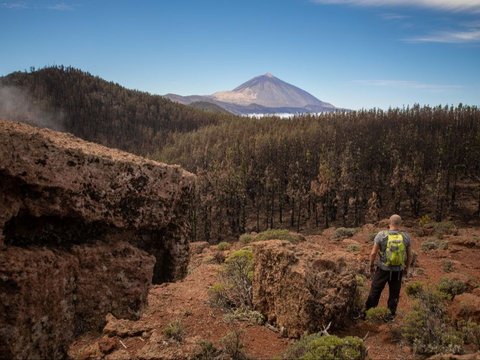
x,y
272,234
231,348
377,315
174,330
451,287
326,347
414,289
235,289
427,327
342,232
223,246
353,247
447,266
434,244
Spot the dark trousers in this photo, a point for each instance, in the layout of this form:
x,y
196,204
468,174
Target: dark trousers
x,y
380,278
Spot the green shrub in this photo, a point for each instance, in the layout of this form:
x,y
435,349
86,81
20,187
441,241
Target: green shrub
x,y
218,257
217,295
470,331
414,289
279,234
223,246
445,228
427,329
328,347
353,247
251,316
246,238
451,287
233,346
424,220
447,266
236,280
174,330
377,314
434,244
342,233
207,351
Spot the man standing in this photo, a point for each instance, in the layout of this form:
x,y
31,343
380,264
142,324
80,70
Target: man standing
x,y
394,249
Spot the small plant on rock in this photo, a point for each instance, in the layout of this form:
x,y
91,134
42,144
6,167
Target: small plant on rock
x,y
174,330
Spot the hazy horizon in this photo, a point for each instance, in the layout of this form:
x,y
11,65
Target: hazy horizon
x,y
353,54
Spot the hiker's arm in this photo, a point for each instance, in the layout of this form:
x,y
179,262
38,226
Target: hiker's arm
x,y
409,259
373,256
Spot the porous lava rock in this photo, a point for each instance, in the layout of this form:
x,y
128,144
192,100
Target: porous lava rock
x,y
302,289
84,231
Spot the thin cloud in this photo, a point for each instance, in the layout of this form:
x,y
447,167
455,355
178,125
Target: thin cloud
x,y
407,84
23,5
393,16
450,5
448,37
14,5
61,7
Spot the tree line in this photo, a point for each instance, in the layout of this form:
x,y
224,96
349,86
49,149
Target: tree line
x,y
344,169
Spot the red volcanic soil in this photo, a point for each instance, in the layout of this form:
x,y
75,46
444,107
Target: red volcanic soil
x,y
187,301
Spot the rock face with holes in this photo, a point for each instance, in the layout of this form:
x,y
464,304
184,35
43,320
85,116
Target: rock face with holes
x,y
301,289
84,231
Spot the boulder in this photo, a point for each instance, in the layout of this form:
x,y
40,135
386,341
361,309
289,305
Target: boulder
x,y
300,288
84,231
466,306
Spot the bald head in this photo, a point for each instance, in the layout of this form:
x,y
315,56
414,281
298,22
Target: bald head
x,y
395,221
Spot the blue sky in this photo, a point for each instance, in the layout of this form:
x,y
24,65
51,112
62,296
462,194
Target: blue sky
x,y
352,53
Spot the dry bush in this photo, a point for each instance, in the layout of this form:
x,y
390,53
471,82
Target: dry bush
x,y
174,330
342,232
434,244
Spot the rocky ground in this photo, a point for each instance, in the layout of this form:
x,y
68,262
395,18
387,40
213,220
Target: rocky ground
x,y
187,303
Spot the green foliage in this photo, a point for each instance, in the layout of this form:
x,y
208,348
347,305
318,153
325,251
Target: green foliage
x,y
242,314
235,289
174,330
218,257
223,246
434,244
471,332
424,220
414,289
207,351
377,314
246,238
279,234
342,232
353,247
451,287
233,346
327,347
427,329
447,266
445,228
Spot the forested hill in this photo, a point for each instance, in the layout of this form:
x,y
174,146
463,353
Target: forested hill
x,y
91,108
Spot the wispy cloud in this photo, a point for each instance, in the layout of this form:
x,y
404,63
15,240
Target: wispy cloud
x,y
24,5
450,5
13,5
394,16
61,7
407,84
448,37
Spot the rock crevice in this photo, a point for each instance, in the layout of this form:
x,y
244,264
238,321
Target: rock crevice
x,y
84,231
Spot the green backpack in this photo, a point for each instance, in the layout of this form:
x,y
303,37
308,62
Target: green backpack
x,y
395,252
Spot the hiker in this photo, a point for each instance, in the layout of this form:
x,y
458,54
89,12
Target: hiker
x,y
395,255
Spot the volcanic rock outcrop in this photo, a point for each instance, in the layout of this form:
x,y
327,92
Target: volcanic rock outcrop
x,y
301,289
84,231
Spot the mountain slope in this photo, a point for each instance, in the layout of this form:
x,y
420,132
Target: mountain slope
x,y
265,94
96,110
